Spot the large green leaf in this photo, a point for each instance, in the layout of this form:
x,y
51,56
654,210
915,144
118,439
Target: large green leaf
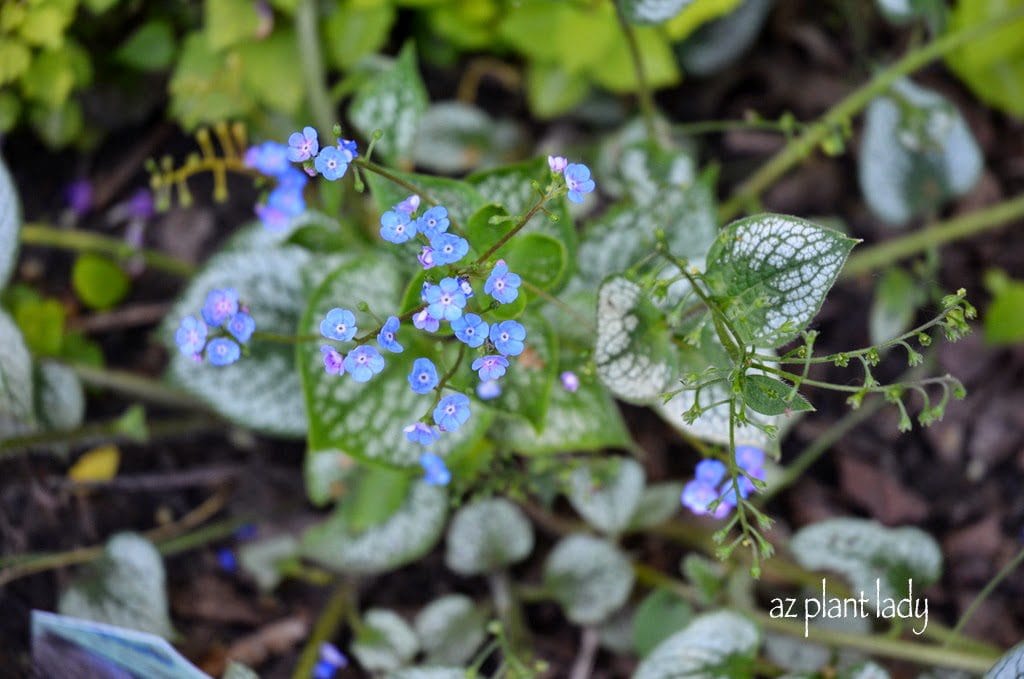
x,y
366,420
770,274
718,644
393,102
589,577
261,391
607,498
917,151
10,222
870,555
60,398
384,641
992,67
16,386
407,535
633,351
451,629
488,535
126,588
721,42
458,137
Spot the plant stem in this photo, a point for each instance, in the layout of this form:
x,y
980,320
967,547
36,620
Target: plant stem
x,y
111,430
45,235
644,97
515,229
887,252
137,386
715,126
1013,565
800,147
325,629
313,65
921,654
278,338
382,171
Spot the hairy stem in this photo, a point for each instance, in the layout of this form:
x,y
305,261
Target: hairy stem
x,y
800,147
313,64
45,235
888,252
515,229
385,173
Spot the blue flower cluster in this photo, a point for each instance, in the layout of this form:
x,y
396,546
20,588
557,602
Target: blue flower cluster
x,y
708,485
364,361
285,201
329,661
231,324
577,177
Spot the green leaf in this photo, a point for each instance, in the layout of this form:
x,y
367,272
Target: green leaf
x,y
589,577
486,536
44,24
393,102
865,552
268,71
344,415
50,78
659,615
769,396
355,30
460,198
262,560
552,91
126,588
57,126
403,538
60,398
10,223
992,67
770,274
16,385
897,298
98,281
606,498
376,494
229,22
1004,318
706,576
205,87
261,391
917,151
384,642
716,45
456,137
658,503
150,48
42,323
1009,666
450,629
633,351
715,644
15,58
652,11
10,108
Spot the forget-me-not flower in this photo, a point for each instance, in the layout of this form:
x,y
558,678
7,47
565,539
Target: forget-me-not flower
x,y
396,227
470,329
423,377
339,324
435,472
303,145
221,304
445,300
363,362
222,351
490,367
578,181
386,337
190,336
508,337
332,163
334,362
434,221
241,326
422,434
448,248
502,284
452,412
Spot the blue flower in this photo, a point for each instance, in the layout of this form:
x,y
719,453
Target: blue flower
x,y
222,351
334,362
227,561
557,164
220,305
303,145
434,221
470,329
288,199
426,257
396,227
292,178
445,300
502,284
435,472
489,390
709,472
324,670
331,163
508,337
190,336
570,382
362,363
490,367
578,181
697,495
423,377
241,326
452,412
448,248
386,337
424,321
272,218
467,288
348,148
750,458
339,324
270,158
409,205
422,434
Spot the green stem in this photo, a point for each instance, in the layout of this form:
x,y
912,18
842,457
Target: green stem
x,y
984,593
325,629
86,241
278,338
308,40
382,171
800,147
144,388
878,645
517,228
715,126
112,430
644,97
887,252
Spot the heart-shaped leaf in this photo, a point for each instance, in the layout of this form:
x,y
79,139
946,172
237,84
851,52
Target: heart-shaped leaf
x,y
770,396
589,577
126,588
607,498
458,137
486,536
719,644
384,642
60,398
658,503
450,629
659,616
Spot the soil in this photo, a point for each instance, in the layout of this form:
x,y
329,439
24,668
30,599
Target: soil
x,y
960,480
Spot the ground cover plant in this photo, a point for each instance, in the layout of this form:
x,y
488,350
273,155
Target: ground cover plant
x,y
444,338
